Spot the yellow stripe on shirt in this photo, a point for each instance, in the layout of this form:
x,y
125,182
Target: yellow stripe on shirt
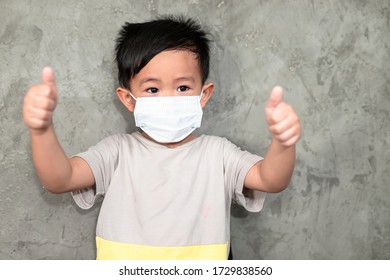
x,y
112,250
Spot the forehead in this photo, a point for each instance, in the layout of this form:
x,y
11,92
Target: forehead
x,y
172,64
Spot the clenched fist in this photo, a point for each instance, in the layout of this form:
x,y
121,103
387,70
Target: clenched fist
x,y
40,102
282,120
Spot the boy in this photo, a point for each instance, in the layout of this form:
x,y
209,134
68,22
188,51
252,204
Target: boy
x,y
167,193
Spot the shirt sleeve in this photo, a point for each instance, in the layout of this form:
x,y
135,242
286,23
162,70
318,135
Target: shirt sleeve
x,y
237,163
102,159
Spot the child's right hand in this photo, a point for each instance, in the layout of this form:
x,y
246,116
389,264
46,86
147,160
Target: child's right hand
x,y
40,102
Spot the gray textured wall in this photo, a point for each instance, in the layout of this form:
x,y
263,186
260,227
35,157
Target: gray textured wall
x,y
332,57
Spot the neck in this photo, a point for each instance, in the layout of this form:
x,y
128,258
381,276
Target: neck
x,y
171,145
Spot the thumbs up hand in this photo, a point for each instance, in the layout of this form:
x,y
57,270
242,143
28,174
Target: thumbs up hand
x,y
282,120
40,101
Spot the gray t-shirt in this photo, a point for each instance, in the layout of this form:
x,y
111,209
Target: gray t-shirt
x,y
168,203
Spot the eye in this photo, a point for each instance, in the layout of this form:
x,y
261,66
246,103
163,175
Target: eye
x,y
183,88
152,90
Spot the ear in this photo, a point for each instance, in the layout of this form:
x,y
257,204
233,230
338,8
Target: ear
x,y
208,90
126,98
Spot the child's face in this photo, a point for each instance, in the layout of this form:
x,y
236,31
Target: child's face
x,y
169,73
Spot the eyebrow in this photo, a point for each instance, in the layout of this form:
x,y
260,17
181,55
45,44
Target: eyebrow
x,y
148,79
180,79
186,78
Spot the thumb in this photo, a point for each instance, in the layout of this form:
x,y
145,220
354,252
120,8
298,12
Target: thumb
x,y
274,100
48,78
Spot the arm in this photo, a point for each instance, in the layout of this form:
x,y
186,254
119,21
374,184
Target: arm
x,y
57,173
274,172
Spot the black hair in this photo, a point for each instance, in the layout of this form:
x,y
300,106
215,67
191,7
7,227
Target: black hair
x,y
138,43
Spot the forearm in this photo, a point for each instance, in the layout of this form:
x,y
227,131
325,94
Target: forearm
x,y
52,164
277,166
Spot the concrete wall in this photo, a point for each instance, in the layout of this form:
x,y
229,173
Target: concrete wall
x,y
332,57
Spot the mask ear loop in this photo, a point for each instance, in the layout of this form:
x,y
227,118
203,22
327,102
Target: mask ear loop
x,y
201,95
132,96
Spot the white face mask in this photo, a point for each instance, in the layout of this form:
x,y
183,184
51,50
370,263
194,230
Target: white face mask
x,y
168,119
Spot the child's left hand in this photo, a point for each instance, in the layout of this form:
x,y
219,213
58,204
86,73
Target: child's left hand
x,y
283,121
